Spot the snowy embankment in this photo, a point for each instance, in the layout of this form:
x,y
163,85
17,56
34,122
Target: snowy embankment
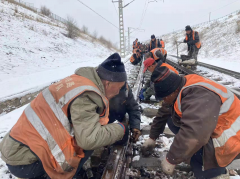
x,y
35,54
220,42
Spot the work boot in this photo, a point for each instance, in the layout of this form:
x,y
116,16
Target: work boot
x,y
223,176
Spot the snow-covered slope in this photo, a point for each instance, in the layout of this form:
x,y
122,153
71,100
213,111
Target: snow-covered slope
x,y
220,42
34,54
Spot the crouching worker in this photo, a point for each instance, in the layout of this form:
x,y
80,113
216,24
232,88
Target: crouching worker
x,y
148,90
61,127
122,104
136,57
205,117
158,54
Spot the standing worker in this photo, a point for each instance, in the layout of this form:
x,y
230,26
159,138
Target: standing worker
x,y
62,126
154,43
205,117
162,43
135,44
193,42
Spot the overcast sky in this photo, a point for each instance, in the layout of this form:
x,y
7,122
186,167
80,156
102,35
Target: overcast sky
x,y
160,17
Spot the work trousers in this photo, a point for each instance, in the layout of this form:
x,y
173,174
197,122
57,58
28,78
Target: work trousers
x,y
197,160
36,170
193,52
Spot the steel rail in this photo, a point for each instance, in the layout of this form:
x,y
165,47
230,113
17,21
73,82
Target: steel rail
x,y
216,68
188,71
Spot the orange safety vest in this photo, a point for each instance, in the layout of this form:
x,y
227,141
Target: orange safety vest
x,y
45,128
162,50
135,50
171,68
156,44
132,59
163,44
226,136
198,44
135,44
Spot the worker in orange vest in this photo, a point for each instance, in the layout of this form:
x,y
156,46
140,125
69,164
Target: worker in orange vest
x,y
151,65
62,126
193,42
154,43
162,43
135,44
136,57
158,54
205,118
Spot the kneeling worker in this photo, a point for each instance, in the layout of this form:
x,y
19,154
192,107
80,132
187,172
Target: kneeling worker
x,y
136,57
148,90
205,117
124,103
159,54
59,129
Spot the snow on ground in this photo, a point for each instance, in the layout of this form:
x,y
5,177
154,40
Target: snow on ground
x,y
220,42
34,54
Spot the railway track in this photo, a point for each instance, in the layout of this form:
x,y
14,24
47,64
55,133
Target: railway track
x,y
117,162
186,71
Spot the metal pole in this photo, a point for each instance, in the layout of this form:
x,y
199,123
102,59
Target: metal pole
x,y
121,29
129,48
209,16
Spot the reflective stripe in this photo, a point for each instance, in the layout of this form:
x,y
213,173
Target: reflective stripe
x,y
42,130
225,106
227,134
69,95
57,110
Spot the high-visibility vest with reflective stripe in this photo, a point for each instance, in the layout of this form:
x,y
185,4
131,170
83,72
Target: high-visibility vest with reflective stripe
x,y
163,44
171,68
135,50
162,50
226,136
45,128
198,44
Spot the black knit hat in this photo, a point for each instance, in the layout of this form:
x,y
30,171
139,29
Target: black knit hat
x,y
112,69
152,36
165,82
188,28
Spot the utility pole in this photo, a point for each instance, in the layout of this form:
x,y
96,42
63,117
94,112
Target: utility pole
x,y
209,16
129,32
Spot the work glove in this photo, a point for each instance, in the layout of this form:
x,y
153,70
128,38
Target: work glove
x,y
141,96
147,147
135,135
167,167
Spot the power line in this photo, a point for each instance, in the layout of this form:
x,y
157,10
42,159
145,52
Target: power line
x,y
98,14
115,8
144,12
224,6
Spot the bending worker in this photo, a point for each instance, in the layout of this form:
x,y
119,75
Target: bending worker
x,y
122,104
205,117
159,54
135,44
59,129
193,42
148,90
136,57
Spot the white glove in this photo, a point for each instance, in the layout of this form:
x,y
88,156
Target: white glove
x,y
148,147
167,167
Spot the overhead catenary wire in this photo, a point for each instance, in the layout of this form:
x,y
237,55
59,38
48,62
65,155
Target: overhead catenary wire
x,y
225,6
98,14
115,8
